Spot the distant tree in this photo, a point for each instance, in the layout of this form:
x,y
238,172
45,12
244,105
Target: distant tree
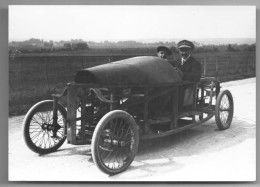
x,y
33,41
46,44
67,46
174,49
231,49
51,43
76,40
251,48
201,49
82,45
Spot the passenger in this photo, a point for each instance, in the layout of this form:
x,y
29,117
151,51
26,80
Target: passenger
x,y
159,104
163,52
191,70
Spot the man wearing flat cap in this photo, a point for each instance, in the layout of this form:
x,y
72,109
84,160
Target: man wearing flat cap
x,y
189,66
191,70
163,52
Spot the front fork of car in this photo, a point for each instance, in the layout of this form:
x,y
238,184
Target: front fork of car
x,y
217,88
55,125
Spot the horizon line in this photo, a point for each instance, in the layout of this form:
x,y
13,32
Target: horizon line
x,y
116,40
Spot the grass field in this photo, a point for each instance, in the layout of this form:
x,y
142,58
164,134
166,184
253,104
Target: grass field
x,y
34,77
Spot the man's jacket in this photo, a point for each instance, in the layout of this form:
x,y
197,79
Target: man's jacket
x,y
191,69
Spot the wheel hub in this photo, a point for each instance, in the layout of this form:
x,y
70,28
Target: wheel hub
x,y
118,143
46,126
122,143
115,142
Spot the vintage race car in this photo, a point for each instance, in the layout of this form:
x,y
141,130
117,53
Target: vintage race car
x,y
113,106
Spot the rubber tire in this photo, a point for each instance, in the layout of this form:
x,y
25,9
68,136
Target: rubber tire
x,y
26,126
97,133
219,123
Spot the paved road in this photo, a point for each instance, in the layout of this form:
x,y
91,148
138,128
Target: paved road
x,y
202,153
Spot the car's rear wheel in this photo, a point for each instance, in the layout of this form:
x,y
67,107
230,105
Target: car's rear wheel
x,y
224,109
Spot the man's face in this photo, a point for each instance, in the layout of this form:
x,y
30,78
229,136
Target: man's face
x,y
185,52
162,54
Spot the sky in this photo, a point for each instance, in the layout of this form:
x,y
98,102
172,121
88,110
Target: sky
x,y
124,22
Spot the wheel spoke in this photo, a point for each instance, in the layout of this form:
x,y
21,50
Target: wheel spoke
x,y
114,158
103,152
112,128
35,121
60,133
41,140
45,140
225,110
38,138
36,135
39,114
128,141
107,156
123,124
116,128
127,132
50,141
35,129
128,153
119,129
60,120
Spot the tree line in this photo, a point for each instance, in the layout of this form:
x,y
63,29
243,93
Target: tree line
x,y
38,45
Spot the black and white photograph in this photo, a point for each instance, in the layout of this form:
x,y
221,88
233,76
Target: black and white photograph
x,y
132,93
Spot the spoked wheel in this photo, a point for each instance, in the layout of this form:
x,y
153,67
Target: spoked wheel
x,y
41,134
115,142
224,110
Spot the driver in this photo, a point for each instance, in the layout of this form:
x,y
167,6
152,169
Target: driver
x,y
191,71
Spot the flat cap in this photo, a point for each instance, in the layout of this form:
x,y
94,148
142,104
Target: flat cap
x,y
163,48
186,44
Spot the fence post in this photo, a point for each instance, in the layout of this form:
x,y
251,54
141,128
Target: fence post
x,y
247,63
236,66
46,73
82,61
205,67
227,69
217,67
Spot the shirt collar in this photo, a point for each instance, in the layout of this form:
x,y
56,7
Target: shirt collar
x,y
184,60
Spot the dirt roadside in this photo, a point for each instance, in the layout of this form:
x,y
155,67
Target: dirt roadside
x,y
202,153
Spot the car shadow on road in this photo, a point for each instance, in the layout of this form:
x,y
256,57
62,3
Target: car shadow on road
x,y
204,138
69,151
198,140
